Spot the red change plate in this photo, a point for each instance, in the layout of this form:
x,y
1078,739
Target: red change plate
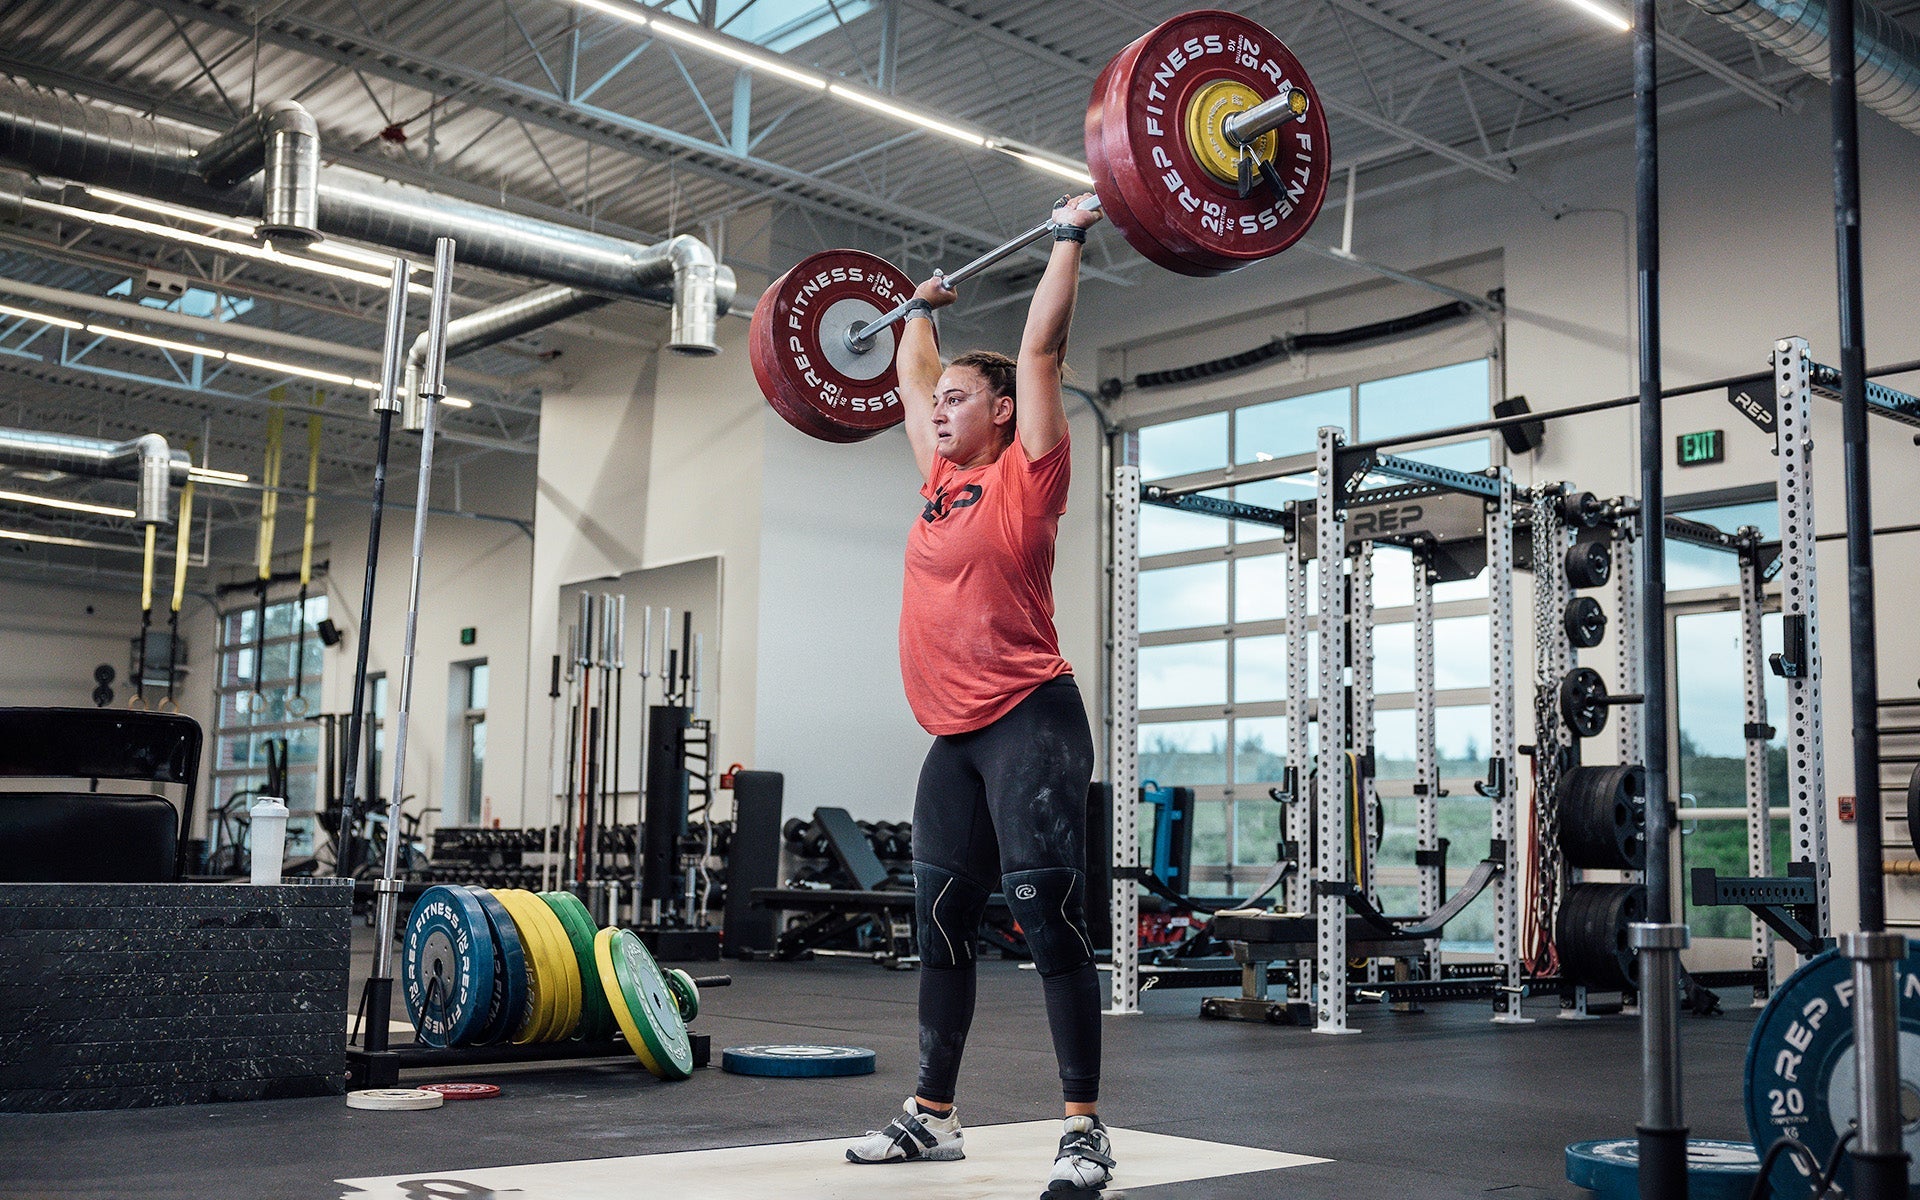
x,y
798,345
1149,111
462,1091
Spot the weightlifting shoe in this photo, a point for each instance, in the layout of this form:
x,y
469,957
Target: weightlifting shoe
x,y
1085,1162
912,1136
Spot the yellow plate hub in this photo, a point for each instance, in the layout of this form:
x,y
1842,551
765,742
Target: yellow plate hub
x,y
1207,112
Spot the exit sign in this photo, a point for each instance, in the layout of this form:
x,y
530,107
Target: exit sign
x,y
467,636
1707,446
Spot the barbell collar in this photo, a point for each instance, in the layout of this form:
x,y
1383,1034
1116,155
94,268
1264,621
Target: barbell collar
x,y
860,337
1643,935
1263,118
1862,946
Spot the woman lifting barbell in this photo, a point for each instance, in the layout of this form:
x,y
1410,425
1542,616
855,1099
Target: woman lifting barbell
x,y
1002,799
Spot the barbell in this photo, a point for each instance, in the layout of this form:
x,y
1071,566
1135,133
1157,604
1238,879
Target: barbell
x,y
1208,150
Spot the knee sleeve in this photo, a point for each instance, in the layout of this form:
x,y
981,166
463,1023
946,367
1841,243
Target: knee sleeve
x,y
947,911
1049,903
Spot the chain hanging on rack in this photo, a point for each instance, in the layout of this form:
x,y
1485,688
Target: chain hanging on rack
x,y
1551,653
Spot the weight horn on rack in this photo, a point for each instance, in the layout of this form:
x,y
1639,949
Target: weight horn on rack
x,y
1589,563
1584,701
1586,622
1208,148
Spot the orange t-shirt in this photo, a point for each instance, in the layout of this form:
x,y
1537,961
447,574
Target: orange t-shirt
x,y
976,617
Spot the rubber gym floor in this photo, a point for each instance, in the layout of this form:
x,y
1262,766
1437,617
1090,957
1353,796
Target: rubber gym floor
x,y
1430,1106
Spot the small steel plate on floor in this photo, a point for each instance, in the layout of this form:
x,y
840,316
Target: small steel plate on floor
x,y
395,1099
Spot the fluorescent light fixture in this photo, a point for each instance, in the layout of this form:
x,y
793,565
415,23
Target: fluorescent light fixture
x,y
128,200
209,475
725,48
104,510
455,402
50,539
240,249
1605,12
248,360
127,335
44,319
371,258
906,114
1033,157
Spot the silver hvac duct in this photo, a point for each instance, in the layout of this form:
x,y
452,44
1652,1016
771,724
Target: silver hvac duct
x,y
51,135
488,327
146,460
1888,53
282,140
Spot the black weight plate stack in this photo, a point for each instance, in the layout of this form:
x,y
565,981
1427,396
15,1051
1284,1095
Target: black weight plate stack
x,y
1591,935
1589,563
1603,818
1586,622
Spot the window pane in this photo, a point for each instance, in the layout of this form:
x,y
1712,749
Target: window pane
x,y
1393,658
1168,530
1424,400
1259,668
1260,588
1690,566
1290,426
477,686
1184,674
1392,577
1260,749
1461,589
1462,734
1259,830
1184,447
1268,493
1209,842
1183,597
1184,753
1462,654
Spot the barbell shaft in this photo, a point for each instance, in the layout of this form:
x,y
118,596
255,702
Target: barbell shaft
x,y
1263,118
860,337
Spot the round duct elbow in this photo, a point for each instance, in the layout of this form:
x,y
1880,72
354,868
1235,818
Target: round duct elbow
x,y
290,203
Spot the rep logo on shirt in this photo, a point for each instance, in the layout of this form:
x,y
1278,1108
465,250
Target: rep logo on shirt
x,y
940,506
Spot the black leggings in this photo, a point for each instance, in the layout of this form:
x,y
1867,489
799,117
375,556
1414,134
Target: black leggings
x,y
1005,809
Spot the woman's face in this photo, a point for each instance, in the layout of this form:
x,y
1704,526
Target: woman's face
x,y
968,418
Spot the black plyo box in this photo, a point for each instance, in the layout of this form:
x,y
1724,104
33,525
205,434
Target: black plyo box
x,y
134,995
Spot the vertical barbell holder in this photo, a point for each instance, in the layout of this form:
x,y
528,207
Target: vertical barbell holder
x,y
432,388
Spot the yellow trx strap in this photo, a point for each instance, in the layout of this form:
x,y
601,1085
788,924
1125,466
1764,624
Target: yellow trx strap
x,y
270,482
313,484
180,546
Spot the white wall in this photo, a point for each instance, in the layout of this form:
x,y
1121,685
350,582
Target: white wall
x,y
649,458
55,632
475,573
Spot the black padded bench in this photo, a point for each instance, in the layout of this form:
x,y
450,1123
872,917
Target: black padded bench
x,y
75,836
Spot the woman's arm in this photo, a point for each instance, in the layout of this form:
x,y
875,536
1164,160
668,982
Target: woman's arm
x,y
1041,418
917,362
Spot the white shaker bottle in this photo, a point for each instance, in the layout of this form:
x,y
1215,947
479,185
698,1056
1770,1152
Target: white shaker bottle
x,y
269,825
